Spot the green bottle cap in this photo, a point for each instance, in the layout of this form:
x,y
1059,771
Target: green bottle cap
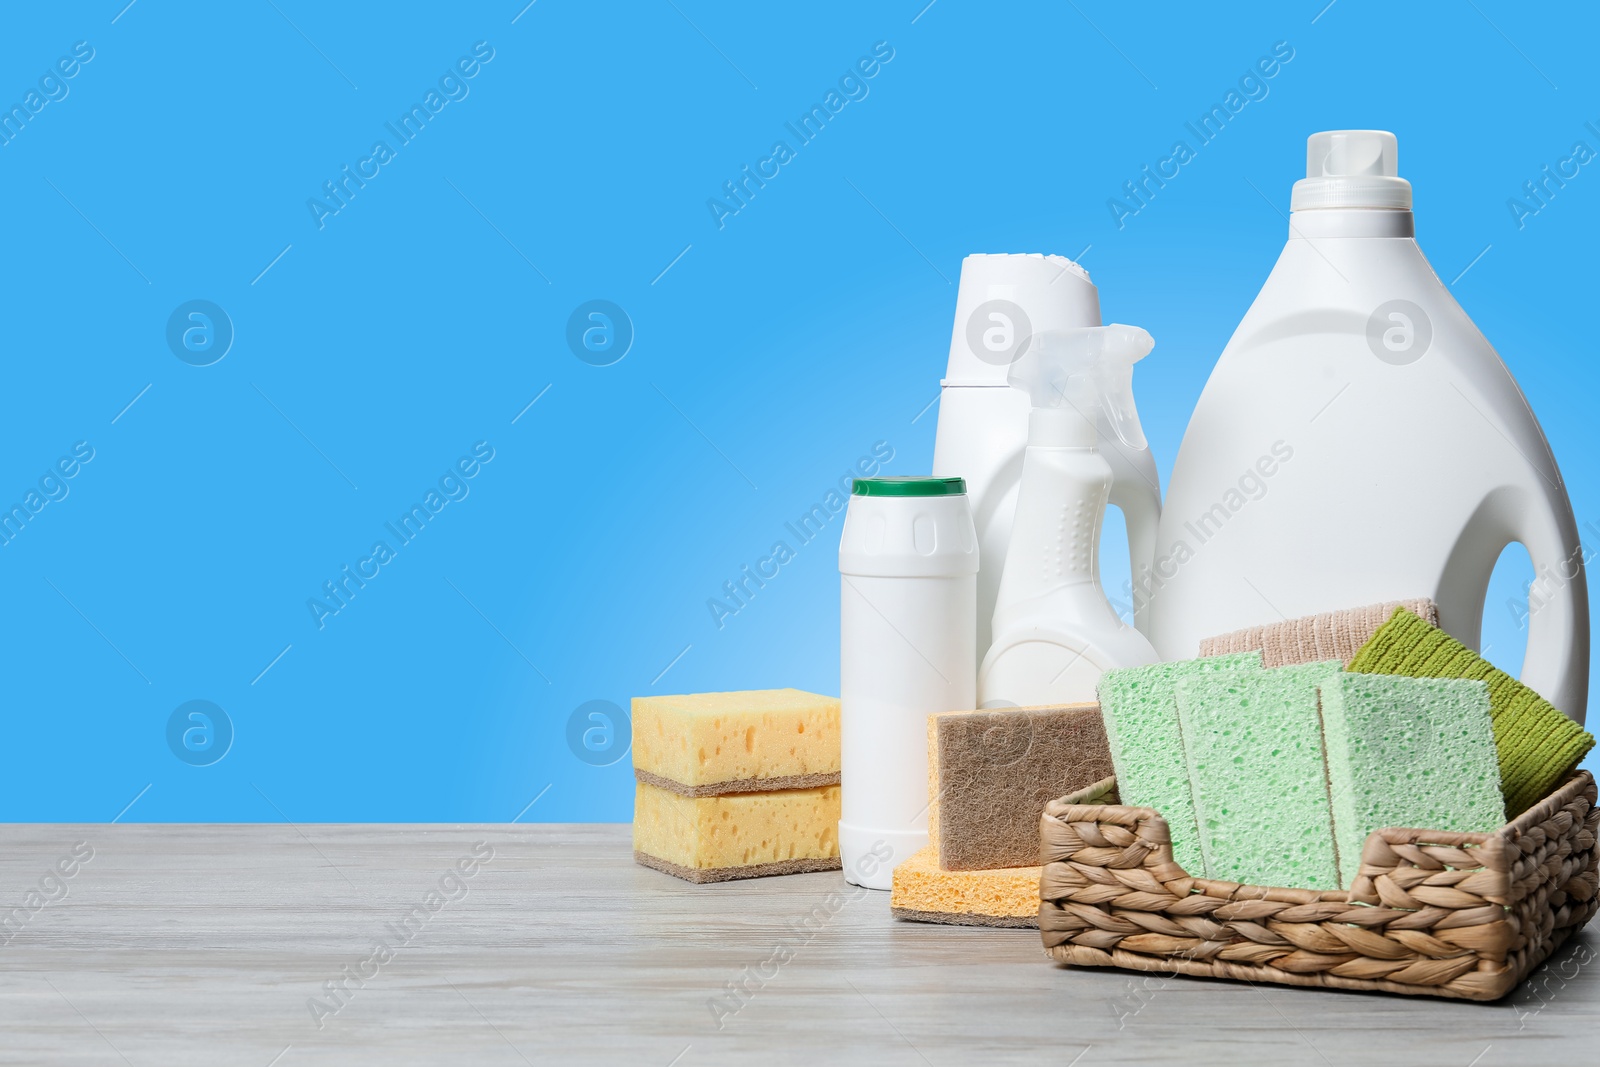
x,y
909,486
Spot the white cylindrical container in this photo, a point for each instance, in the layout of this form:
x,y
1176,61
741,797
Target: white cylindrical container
x,y
908,568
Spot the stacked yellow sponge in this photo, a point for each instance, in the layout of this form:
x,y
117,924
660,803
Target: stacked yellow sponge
x,y
736,785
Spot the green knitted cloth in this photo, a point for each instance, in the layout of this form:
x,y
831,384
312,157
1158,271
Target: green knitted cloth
x,y
1538,745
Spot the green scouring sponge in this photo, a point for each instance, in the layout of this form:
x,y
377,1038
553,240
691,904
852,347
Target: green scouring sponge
x,y
1253,741
1538,746
1140,709
1408,752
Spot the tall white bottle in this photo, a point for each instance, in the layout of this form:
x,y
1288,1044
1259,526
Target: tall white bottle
x,y
1359,441
1002,301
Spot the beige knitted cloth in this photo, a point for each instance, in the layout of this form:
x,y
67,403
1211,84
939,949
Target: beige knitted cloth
x,y
1331,635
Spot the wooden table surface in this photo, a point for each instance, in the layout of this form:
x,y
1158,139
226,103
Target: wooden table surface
x,y
169,945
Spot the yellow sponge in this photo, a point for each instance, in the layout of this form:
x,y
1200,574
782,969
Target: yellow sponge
x,y
741,835
924,892
705,744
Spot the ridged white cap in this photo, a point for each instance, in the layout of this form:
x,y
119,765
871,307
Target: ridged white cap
x,y
1030,293
1351,168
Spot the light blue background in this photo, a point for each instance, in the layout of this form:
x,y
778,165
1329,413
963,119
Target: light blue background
x,y
773,352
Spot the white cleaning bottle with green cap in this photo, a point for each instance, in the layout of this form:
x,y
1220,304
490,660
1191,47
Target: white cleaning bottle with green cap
x,y
1360,441
1055,632
908,594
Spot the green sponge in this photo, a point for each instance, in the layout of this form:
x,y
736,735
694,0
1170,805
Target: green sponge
x,y
1538,745
1140,709
1253,740
1413,752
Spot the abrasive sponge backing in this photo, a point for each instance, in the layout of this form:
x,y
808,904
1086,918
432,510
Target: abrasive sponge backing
x,y
1140,709
1408,752
924,892
1253,742
991,772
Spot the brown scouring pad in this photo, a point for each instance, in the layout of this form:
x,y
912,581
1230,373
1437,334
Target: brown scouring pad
x,y
990,774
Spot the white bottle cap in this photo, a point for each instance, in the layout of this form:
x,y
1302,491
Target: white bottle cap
x,y
1351,168
1003,300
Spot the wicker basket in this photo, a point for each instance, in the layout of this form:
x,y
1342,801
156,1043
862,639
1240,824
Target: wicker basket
x,y
1432,913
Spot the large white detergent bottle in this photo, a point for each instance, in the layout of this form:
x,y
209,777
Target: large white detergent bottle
x,y
1001,303
1360,441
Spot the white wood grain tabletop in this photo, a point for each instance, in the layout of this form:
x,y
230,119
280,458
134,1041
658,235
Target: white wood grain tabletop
x,y
167,945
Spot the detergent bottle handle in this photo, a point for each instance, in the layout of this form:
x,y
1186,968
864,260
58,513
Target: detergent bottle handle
x,y
1556,610
1557,662
1136,490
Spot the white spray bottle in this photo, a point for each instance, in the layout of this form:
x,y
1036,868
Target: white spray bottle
x,y
1054,631
1001,303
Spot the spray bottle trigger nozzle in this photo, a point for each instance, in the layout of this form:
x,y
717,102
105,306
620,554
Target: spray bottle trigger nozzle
x,y
1116,399
1087,369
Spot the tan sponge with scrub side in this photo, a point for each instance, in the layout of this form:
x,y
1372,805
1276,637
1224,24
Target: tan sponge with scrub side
x,y
708,744
991,772
738,835
924,892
